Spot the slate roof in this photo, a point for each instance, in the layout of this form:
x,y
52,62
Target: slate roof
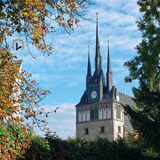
x,y
124,100
109,92
127,100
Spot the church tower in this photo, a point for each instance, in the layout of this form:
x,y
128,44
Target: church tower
x,y
97,82
100,111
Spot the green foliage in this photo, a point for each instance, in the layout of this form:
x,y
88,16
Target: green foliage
x,y
145,68
39,150
17,143
135,141
35,18
13,141
101,149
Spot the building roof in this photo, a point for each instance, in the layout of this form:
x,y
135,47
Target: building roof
x,y
123,99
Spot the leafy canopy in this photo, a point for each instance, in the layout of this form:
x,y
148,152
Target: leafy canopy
x,y
145,68
33,19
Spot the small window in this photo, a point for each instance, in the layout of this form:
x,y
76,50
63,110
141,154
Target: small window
x,y
94,114
119,129
86,131
118,113
101,129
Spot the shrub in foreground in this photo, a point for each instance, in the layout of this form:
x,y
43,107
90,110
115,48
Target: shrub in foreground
x,y
17,143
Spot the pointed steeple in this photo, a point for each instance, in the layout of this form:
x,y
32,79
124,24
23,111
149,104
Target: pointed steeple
x,y
98,64
109,72
89,72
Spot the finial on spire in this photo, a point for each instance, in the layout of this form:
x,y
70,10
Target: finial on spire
x,y
97,16
88,48
108,41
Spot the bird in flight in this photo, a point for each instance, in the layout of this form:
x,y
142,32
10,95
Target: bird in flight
x,y
18,47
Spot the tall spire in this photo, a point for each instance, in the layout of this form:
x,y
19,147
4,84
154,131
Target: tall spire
x,y
109,72
98,64
89,72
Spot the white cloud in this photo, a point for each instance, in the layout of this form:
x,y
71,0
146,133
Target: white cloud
x,y
66,68
62,122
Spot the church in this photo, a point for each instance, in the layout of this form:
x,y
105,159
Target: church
x,y
100,111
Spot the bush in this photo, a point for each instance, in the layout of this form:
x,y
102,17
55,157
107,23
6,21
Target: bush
x,y
17,143
39,150
14,141
101,149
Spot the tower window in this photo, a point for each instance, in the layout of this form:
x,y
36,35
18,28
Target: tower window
x,y
86,131
94,114
102,129
118,113
119,129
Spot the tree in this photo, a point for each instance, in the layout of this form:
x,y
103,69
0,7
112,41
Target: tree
x,y
35,18
145,67
32,19
20,97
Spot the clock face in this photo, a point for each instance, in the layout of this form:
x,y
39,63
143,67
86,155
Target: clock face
x,y
94,94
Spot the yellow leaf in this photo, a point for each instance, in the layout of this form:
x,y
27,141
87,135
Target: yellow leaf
x,y
1,112
31,100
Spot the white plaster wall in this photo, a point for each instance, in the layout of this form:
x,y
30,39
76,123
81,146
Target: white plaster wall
x,y
79,117
100,113
88,115
109,113
114,111
116,134
117,123
104,113
84,117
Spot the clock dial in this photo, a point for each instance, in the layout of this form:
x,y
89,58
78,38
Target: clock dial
x,y
94,94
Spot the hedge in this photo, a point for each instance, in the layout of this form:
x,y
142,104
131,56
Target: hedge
x,y
18,143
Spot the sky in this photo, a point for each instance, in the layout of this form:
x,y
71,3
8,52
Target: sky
x,y
64,72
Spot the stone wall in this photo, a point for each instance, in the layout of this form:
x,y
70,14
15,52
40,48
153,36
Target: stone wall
x,y
94,130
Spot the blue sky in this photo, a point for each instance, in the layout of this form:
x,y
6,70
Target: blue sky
x,y
64,72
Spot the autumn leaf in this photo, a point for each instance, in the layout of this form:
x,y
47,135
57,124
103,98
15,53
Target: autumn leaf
x,y
1,112
31,100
